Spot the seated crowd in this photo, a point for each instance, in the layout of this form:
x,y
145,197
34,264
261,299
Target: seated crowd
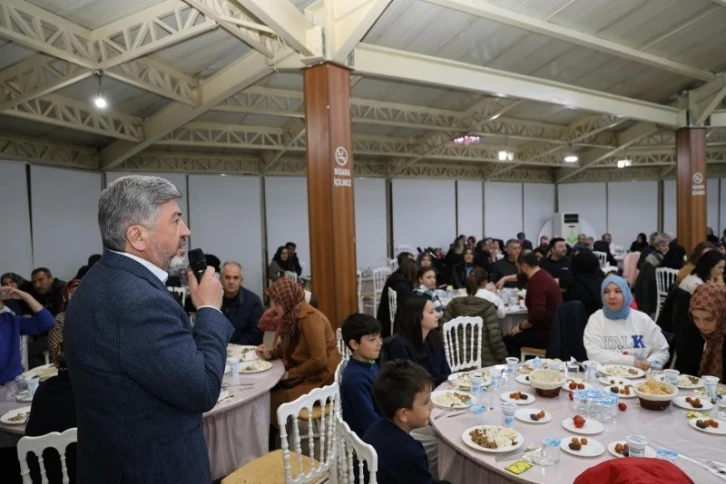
x,y
389,406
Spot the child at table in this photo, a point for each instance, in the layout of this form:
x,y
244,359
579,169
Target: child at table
x,y
362,336
402,391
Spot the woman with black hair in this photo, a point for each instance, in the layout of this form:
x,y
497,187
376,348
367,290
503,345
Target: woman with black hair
x,y
279,265
586,281
418,338
402,282
640,244
462,270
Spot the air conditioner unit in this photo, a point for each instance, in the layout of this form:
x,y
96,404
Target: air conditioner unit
x,y
567,226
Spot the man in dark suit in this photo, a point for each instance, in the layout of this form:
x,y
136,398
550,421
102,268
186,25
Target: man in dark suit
x,y
242,307
604,246
141,375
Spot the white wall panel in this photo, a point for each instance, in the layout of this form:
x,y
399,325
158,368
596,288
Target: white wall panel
x,y
178,179
286,199
712,209
632,208
503,210
370,222
587,199
469,206
16,254
669,207
64,205
539,205
424,212
225,214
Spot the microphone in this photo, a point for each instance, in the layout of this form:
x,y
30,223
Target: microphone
x,y
197,262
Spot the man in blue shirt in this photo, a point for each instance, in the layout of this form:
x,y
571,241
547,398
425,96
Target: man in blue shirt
x,y
402,392
362,336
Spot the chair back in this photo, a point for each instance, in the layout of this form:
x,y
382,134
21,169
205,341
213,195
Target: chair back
x,y
568,329
180,293
463,342
342,347
602,257
351,451
339,378
322,461
392,306
291,275
664,279
359,282
393,265
379,282
37,445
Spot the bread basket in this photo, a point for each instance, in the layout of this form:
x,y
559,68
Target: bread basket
x,y
651,401
547,383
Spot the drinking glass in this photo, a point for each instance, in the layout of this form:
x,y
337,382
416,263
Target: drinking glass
x,y
593,397
573,369
672,376
590,370
656,369
579,401
710,383
721,401
475,378
550,453
508,410
605,406
512,365
234,364
33,385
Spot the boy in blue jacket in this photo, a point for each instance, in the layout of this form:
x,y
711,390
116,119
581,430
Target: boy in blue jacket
x,y
362,335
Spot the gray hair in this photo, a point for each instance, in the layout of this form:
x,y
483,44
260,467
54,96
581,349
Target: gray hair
x,y
132,200
230,263
661,239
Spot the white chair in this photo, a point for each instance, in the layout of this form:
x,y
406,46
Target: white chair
x,y
359,279
339,378
664,279
379,281
294,467
392,306
291,275
342,347
602,257
37,445
181,292
463,341
393,265
350,449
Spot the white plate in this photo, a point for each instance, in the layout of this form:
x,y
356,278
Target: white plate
x,y
649,451
523,379
530,398
245,352
23,397
523,415
464,382
621,371
254,366
470,443
684,382
621,387
6,418
681,402
566,386
592,449
591,426
721,430
440,398
41,371
605,380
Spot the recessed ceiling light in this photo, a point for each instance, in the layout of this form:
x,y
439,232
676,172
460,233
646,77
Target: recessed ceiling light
x,y
100,102
571,158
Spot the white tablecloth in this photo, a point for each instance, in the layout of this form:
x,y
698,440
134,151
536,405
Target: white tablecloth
x,y
666,429
236,430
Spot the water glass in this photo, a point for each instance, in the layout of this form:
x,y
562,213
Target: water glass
x,y
656,369
573,369
550,453
508,410
512,365
496,380
476,410
33,385
721,402
590,370
593,397
475,378
605,407
234,365
710,383
579,401
672,376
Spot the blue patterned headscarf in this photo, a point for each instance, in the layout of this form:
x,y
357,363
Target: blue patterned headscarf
x,y
627,297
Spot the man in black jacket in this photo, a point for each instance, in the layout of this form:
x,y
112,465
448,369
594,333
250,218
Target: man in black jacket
x,y
242,307
48,291
558,264
292,257
604,246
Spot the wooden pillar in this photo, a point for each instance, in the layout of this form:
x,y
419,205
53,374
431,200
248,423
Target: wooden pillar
x,y
330,190
691,186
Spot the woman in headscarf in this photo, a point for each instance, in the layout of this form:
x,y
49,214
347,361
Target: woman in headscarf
x,y
700,341
586,282
619,335
305,342
55,335
640,243
280,264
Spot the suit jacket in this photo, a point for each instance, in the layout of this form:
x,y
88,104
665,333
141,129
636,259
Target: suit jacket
x,y
142,377
244,316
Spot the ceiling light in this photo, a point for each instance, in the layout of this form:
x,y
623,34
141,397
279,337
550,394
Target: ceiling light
x,y
624,163
571,158
466,140
505,155
99,101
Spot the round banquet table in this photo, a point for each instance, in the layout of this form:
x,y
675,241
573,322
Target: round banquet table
x,y
666,429
237,429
